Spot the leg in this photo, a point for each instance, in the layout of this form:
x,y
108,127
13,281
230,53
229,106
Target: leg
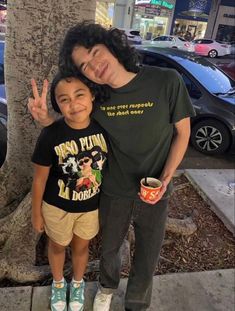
x,y
115,216
80,253
56,256
58,227
149,224
85,227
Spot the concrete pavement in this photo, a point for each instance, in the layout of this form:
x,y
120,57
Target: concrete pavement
x,y
197,291
217,188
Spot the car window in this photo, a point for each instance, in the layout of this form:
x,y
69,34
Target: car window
x,y
193,90
157,39
1,74
204,41
135,33
213,79
182,39
151,60
2,44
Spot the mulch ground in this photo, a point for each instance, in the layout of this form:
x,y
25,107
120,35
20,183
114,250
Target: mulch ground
x,y
211,247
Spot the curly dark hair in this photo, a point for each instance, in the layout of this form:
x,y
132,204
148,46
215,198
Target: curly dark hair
x,y
88,34
99,93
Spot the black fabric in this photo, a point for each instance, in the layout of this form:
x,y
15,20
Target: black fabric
x,y
76,159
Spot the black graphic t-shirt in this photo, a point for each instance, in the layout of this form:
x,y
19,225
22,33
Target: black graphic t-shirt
x,y
76,159
139,119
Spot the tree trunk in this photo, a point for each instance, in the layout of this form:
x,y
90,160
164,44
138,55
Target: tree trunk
x,y
35,29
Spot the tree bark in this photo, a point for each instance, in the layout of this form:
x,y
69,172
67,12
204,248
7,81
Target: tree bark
x,y
35,29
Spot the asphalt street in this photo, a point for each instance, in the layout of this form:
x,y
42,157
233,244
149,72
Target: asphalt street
x,y
195,159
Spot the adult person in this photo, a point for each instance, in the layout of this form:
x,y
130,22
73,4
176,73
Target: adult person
x,y
147,118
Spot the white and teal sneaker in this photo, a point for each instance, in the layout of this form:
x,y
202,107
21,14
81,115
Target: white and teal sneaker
x,y
76,297
58,296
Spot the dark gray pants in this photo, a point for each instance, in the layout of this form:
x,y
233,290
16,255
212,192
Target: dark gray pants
x,y
149,225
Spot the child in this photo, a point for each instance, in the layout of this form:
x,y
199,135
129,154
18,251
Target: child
x,y
66,184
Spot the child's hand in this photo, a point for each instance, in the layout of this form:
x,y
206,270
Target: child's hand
x,y
38,223
38,105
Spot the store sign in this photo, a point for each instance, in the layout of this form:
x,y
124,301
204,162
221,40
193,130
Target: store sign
x,y
229,15
165,4
142,1
197,5
153,11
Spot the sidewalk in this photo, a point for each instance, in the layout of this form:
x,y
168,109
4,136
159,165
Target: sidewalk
x,y
217,188
197,291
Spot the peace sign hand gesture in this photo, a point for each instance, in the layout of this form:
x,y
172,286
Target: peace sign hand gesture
x,y
38,106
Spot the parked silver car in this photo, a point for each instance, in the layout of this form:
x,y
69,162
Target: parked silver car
x,y
171,42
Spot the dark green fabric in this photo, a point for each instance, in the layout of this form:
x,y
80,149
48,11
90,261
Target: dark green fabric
x,y
139,119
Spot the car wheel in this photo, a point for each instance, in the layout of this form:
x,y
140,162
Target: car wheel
x,y
210,137
212,53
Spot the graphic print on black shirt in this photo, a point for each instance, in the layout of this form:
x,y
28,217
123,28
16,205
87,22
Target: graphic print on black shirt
x,y
82,170
76,159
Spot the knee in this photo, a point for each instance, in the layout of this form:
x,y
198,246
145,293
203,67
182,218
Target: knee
x,y
56,248
80,249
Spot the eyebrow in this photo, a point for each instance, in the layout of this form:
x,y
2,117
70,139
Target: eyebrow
x,y
76,91
82,64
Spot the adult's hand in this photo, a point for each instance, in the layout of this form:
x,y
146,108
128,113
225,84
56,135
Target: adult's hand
x,y
158,196
38,105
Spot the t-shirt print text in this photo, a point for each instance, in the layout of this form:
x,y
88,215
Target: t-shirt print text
x,y
127,110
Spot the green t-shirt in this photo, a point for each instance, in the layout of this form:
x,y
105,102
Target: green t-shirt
x,y
139,118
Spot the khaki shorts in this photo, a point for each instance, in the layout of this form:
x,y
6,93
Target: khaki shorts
x,y
60,226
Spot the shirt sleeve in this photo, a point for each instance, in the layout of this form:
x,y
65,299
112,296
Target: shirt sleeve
x,y
180,102
43,152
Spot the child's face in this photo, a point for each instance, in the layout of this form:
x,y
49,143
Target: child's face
x,y
74,99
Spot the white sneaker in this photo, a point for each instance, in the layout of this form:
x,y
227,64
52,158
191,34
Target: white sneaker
x,y
102,301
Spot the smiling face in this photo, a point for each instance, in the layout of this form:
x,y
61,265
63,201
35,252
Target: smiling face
x,y
75,102
97,63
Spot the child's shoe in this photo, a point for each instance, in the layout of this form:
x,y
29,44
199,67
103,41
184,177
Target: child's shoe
x,y
58,296
76,297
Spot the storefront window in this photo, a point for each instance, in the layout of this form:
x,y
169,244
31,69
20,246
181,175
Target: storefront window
x,y
104,13
225,33
152,19
189,29
150,28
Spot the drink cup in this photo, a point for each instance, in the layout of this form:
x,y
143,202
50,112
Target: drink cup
x,y
149,188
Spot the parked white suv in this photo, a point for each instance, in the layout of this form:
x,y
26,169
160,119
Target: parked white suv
x,y
133,35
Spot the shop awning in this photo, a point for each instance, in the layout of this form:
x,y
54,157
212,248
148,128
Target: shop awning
x,y
194,14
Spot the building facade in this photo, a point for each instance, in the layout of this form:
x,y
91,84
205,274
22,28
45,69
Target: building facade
x,y
191,18
104,12
221,25
153,17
